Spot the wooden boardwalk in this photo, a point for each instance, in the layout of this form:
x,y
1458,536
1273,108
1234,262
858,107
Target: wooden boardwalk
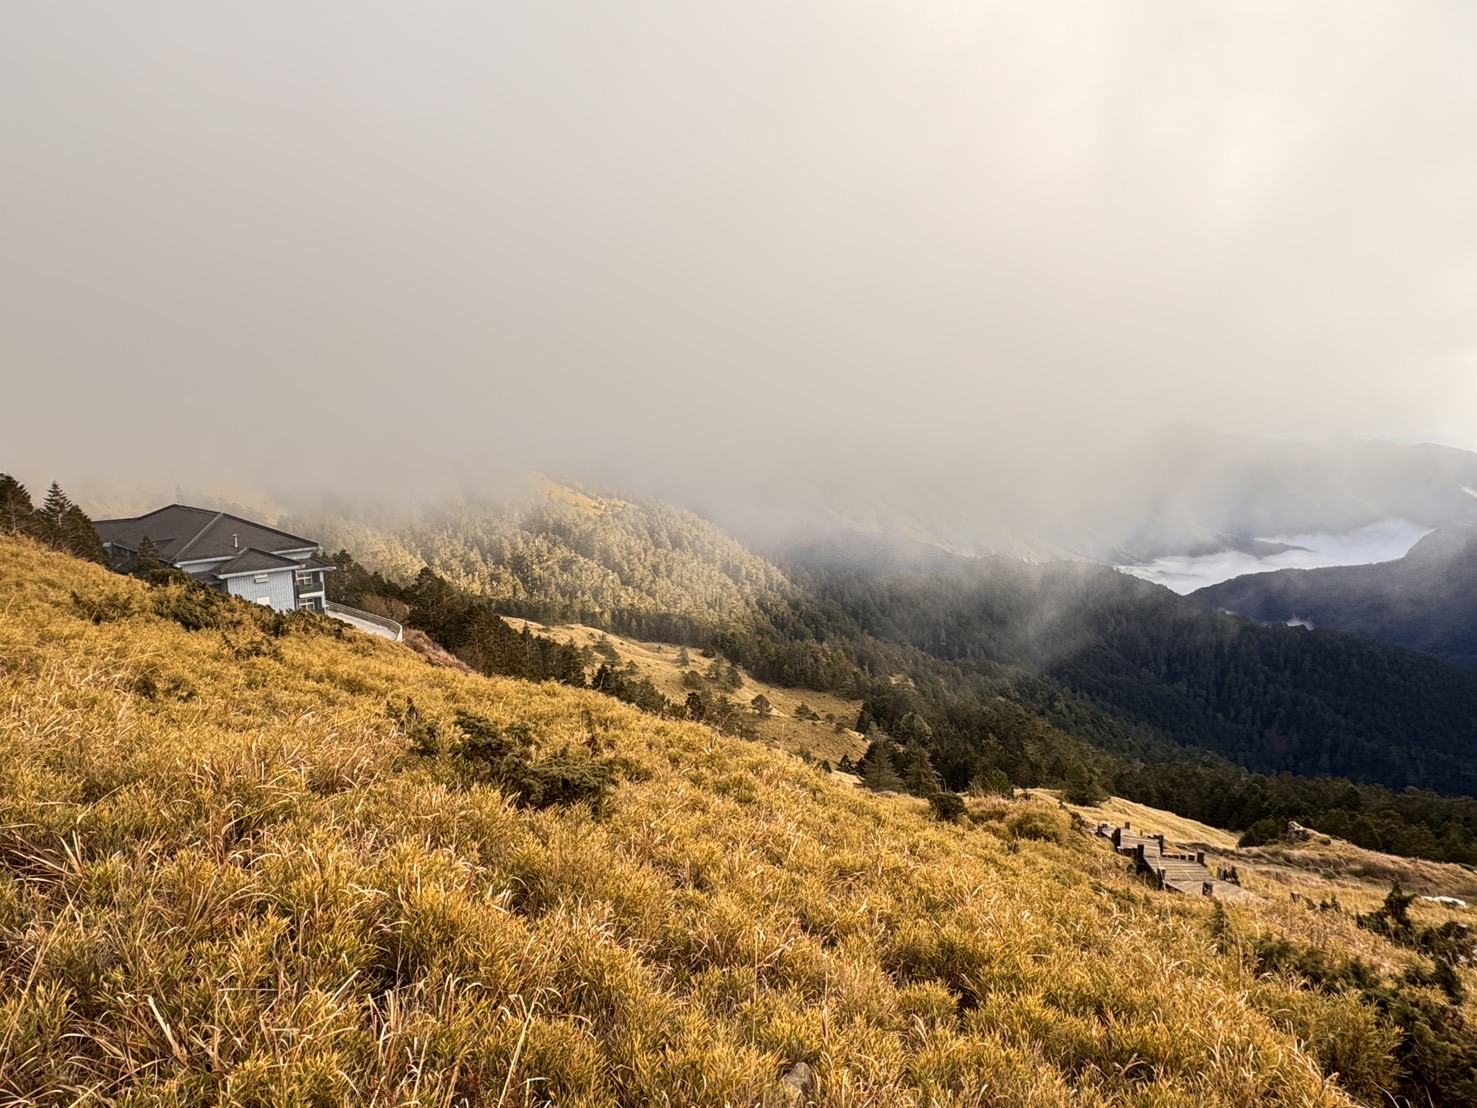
x,y
1170,868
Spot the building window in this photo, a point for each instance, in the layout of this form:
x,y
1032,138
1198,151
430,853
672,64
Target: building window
x,y
260,578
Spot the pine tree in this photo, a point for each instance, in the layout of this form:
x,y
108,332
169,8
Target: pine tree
x,y
1083,786
878,768
80,538
916,769
147,562
17,514
913,728
53,514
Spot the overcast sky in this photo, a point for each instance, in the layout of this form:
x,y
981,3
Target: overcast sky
x,y
366,239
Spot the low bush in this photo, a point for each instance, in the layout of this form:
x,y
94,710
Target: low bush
x,y
947,807
1263,832
1040,824
192,606
105,607
1432,1049
503,757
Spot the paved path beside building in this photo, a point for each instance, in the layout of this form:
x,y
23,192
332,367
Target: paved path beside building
x,y
365,621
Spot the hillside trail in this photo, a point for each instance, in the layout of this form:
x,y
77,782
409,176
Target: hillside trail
x,y
1172,870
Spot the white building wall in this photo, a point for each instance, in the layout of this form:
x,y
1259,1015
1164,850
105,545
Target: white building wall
x,y
197,567
276,590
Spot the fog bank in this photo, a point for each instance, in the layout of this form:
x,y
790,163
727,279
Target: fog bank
x,y
716,249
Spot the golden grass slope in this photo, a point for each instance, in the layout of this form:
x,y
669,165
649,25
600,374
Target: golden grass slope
x,y
1152,821
1318,866
224,880
781,728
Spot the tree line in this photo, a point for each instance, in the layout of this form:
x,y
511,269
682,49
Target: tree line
x,y
58,522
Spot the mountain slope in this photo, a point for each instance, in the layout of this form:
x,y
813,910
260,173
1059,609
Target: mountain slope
x,y
1425,601
1000,658
556,553
1272,699
229,875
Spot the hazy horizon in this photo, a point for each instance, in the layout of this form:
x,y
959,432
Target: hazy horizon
x,y
710,250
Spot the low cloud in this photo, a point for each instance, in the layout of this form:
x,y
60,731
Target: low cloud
x,y
716,249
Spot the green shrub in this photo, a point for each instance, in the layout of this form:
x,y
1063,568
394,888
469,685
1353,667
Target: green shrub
x,y
1039,824
192,606
1262,832
104,609
1435,1049
501,756
947,807
562,778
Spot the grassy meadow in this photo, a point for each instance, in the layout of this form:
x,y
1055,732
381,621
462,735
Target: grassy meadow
x,y
232,871
818,738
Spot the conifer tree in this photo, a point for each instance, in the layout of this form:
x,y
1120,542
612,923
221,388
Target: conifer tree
x,y
17,513
79,537
878,768
913,728
916,769
53,513
1083,786
147,562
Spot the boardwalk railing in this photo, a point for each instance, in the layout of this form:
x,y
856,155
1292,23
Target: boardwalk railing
x,y
1173,870
378,624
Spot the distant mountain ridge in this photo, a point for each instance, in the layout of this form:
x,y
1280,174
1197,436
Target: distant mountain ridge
x,y
1425,601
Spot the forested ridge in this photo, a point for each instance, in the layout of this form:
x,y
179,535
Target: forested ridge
x,y
1040,676
560,555
1425,601
1272,699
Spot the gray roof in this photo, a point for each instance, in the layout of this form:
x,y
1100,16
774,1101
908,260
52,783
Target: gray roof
x,y
252,560
184,534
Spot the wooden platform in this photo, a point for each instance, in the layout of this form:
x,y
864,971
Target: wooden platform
x,y
1170,868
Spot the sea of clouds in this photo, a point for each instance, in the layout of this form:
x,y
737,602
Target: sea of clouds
x,y
1378,542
